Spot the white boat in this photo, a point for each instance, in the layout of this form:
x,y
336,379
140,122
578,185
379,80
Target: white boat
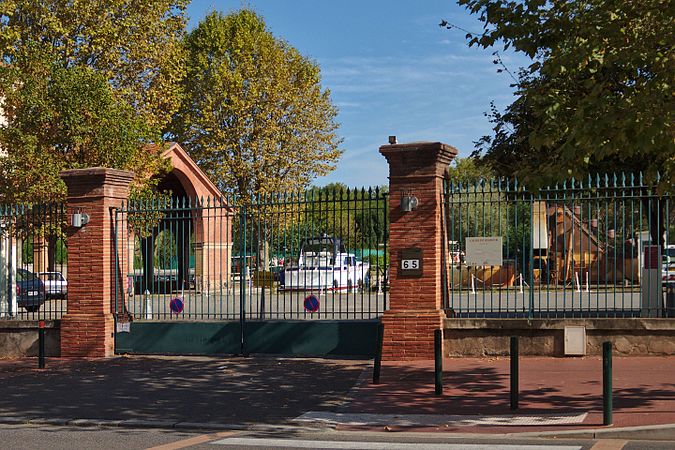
x,y
325,265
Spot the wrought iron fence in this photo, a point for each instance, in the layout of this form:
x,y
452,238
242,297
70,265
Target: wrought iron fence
x,y
33,261
598,247
318,254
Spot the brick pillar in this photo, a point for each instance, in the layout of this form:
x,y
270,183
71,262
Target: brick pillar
x,y
415,300
87,328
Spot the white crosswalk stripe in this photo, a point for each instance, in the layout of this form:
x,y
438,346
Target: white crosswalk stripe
x,y
349,445
331,418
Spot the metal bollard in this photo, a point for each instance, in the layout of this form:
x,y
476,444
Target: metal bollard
x,y
438,360
377,366
607,383
41,344
514,372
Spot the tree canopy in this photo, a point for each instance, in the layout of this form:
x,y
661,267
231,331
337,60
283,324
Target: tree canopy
x,y
83,84
597,96
254,115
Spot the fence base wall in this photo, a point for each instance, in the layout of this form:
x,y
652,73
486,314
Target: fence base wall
x,y
325,338
542,337
19,339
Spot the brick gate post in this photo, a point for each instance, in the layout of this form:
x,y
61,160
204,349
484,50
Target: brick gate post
x,y
415,309
87,328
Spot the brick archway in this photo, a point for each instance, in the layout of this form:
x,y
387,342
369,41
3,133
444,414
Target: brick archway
x,y
212,228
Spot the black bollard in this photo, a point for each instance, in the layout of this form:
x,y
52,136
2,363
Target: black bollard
x,y
438,360
378,353
606,383
41,344
514,372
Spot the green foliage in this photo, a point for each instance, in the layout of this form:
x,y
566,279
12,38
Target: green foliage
x,y
598,95
468,171
84,84
355,215
254,115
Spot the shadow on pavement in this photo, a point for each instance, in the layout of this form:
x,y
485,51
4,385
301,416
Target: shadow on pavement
x,y
547,386
187,389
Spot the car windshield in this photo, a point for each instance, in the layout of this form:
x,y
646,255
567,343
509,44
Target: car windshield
x,y
24,275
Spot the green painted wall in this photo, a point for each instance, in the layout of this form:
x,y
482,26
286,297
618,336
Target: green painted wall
x,y
355,338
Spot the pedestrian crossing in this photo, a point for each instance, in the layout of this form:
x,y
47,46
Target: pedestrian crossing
x,y
367,445
427,420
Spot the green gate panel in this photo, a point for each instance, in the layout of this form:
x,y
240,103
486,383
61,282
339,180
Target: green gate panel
x,y
355,338
180,338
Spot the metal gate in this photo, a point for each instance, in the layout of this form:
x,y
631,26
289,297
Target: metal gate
x,y
33,262
583,248
295,273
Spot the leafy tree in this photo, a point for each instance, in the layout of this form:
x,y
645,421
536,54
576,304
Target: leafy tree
x,y
468,171
84,83
254,115
597,96
598,91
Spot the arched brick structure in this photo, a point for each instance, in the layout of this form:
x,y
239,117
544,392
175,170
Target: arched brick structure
x,y
212,226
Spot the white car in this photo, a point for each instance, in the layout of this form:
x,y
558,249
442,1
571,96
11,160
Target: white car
x,y
325,265
56,285
668,265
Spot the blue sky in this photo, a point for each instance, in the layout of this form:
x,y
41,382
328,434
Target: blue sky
x,y
391,70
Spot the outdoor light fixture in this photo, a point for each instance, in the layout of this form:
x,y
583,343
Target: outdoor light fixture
x,y
392,140
80,219
408,201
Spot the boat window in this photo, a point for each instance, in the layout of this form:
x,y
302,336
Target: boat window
x,y
353,260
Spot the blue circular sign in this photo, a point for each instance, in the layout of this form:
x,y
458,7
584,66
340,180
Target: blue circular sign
x,y
312,303
176,305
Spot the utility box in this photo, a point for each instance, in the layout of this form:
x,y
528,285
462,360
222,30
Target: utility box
x,y
651,298
575,341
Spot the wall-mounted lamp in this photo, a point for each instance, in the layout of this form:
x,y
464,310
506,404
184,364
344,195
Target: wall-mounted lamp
x,y
408,201
80,219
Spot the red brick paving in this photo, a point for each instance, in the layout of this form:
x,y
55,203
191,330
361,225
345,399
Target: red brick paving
x,y
644,390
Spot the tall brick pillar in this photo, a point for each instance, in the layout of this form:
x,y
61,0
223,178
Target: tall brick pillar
x,y
415,300
87,328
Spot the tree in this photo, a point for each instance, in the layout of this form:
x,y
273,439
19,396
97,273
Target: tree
x,y
84,84
597,95
254,115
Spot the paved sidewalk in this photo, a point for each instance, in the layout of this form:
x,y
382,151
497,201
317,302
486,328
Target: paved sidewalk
x,y
644,393
226,391
556,394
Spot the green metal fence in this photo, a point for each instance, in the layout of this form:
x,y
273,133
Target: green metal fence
x,y
576,249
313,255
33,261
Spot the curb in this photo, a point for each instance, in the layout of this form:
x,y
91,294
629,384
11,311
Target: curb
x,y
138,423
647,432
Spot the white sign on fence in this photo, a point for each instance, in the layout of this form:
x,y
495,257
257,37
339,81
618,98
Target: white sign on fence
x,y
484,251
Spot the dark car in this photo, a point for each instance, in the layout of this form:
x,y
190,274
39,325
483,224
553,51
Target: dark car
x,y
30,290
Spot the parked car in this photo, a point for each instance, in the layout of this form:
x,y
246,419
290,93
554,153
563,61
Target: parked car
x,y
30,290
56,285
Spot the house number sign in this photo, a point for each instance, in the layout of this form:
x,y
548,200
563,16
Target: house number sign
x,y
411,262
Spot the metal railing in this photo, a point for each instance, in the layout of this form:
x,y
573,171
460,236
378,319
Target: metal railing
x,y
577,249
318,254
33,262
